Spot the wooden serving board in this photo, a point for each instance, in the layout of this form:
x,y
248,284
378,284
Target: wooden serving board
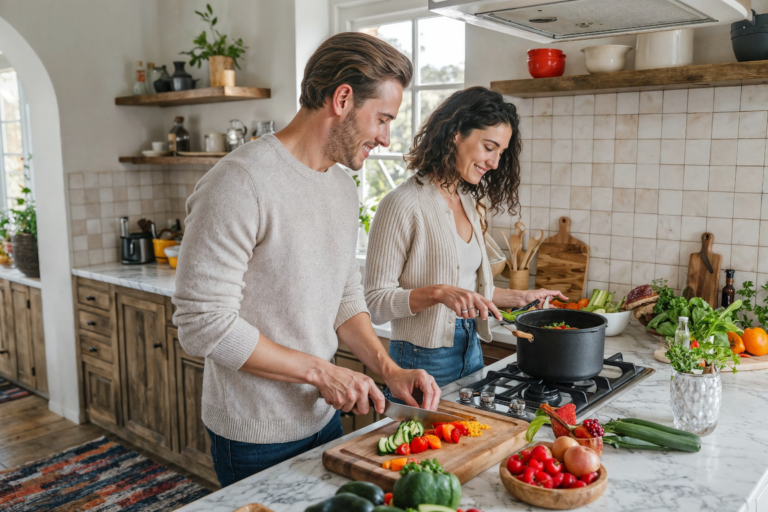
x,y
703,283
357,458
747,363
563,263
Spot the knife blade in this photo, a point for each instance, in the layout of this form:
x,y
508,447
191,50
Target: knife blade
x,y
427,418
705,259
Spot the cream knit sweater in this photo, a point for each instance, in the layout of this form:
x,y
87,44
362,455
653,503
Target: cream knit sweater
x,y
269,247
411,245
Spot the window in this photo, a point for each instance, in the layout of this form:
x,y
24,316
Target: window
x,y
13,139
436,47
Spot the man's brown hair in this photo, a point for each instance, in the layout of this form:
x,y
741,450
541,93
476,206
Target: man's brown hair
x,y
359,60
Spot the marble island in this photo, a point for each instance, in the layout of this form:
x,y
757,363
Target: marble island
x,y
730,473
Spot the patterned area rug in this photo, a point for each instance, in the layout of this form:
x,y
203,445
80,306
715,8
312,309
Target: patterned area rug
x,y
10,391
99,476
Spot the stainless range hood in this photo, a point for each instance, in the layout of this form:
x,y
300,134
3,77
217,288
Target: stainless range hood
x,y
548,21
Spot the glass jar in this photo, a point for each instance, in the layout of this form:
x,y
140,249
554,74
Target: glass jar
x,y
695,400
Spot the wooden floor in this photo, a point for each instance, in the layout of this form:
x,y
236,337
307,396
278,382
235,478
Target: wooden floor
x,y
29,431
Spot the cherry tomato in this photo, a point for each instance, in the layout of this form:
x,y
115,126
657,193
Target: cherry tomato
x,y
388,498
589,478
568,480
577,484
541,453
419,444
557,480
552,466
695,344
533,463
527,475
403,449
526,455
514,465
544,480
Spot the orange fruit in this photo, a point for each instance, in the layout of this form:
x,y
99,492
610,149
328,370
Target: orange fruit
x,y
572,305
737,344
755,341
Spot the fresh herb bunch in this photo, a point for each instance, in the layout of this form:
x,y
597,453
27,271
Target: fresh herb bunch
x,y
748,293
712,322
366,209
425,466
666,295
23,218
685,360
217,46
665,322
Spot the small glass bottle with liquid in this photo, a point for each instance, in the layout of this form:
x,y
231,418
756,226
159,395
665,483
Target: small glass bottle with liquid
x,y
682,335
178,137
140,85
729,292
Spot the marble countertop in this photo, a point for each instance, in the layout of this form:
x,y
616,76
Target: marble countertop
x,y
161,279
15,276
728,474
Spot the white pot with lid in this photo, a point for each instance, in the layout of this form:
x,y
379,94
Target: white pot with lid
x,y
668,49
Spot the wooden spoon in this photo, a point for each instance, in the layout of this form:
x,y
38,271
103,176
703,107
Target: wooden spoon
x,y
506,241
533,246
515,243
519,229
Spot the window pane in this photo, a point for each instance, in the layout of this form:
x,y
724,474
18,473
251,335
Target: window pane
x,y
12,138
14,178
401,129
430,100
441,51
9,96
399,35
376,180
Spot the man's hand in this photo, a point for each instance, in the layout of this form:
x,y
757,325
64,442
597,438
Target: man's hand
x,y
402,383
347,390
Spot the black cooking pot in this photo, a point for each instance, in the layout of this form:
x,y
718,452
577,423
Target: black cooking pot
x,y
559,355
750,38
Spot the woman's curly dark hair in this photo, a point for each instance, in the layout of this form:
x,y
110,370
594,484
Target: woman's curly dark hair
x,y
434,151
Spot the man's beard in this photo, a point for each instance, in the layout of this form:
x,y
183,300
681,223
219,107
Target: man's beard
x,y
341,146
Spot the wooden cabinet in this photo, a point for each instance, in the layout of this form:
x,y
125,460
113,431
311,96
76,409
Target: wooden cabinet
x,y
101,392
144,368
22,340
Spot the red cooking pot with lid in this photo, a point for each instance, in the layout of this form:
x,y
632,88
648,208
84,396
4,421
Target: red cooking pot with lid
x,y
546,62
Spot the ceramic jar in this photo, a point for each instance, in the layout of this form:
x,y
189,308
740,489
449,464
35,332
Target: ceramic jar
x,y
668,49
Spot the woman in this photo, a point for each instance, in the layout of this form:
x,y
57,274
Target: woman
x,y
427,270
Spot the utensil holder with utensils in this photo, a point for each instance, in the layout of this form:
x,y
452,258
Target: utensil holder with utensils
x,y
519,262
518,279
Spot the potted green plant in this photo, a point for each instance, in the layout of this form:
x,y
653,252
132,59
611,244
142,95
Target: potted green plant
x,y
220,53
24,238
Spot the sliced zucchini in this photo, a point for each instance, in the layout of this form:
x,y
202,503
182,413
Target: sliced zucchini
x,y
383,446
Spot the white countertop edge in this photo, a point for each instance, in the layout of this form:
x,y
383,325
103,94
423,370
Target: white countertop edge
x,y
137,282
15,276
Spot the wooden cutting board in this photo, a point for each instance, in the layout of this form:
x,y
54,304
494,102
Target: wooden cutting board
x,y
563,263
357,458
747,363
703,283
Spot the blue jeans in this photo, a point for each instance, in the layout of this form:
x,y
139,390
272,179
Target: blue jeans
x,y
234,460
446,364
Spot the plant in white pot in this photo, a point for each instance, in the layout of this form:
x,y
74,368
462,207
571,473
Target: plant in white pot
x,y
221,54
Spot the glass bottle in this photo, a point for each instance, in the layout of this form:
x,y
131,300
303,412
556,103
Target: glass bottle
x,y
682,336
263,128
149,75
140,86
178,137
729,292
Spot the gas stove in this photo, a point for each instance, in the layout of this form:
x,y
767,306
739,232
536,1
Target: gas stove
x,y
512,393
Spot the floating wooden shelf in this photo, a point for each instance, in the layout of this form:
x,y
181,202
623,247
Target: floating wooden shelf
x,y
686,77
195,96
171,160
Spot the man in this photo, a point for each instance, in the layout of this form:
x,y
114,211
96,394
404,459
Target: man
x,y
267,281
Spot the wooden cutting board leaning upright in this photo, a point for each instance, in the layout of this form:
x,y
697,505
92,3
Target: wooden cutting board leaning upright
x,y
702,282
563,263
357,458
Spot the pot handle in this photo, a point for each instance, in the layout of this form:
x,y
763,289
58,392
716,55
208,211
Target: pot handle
x,y
520,334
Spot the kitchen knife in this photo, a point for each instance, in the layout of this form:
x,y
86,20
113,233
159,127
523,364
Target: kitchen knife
x,y
427,418
705,259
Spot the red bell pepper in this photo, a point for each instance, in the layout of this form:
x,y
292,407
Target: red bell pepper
x,y
434,442
388,498
695,344
403,449
445,432
419,444
455,436
462,428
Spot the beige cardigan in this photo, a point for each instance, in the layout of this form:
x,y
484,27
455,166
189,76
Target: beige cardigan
x,y
411,245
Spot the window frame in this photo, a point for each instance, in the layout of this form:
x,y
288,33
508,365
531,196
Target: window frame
x,y
26,146
414,16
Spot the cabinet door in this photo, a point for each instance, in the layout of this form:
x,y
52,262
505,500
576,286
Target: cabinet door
x,y
101,392
144,363
38,339
7,344
25,355
193,437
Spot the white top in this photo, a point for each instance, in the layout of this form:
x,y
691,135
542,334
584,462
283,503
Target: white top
x,y
470,259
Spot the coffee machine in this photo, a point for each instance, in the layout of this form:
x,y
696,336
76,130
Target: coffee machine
x,y
136,247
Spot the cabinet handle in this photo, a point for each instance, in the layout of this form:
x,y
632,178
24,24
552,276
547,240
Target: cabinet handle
x,y
158,345
4,352
92,349
91,323
90,297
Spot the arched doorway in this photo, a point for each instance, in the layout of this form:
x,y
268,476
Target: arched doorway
x,y
53,235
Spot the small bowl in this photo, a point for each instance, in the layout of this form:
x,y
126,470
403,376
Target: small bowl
x,y
606,58
173,261
558,499
546,62
617,322
172,253
160,246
